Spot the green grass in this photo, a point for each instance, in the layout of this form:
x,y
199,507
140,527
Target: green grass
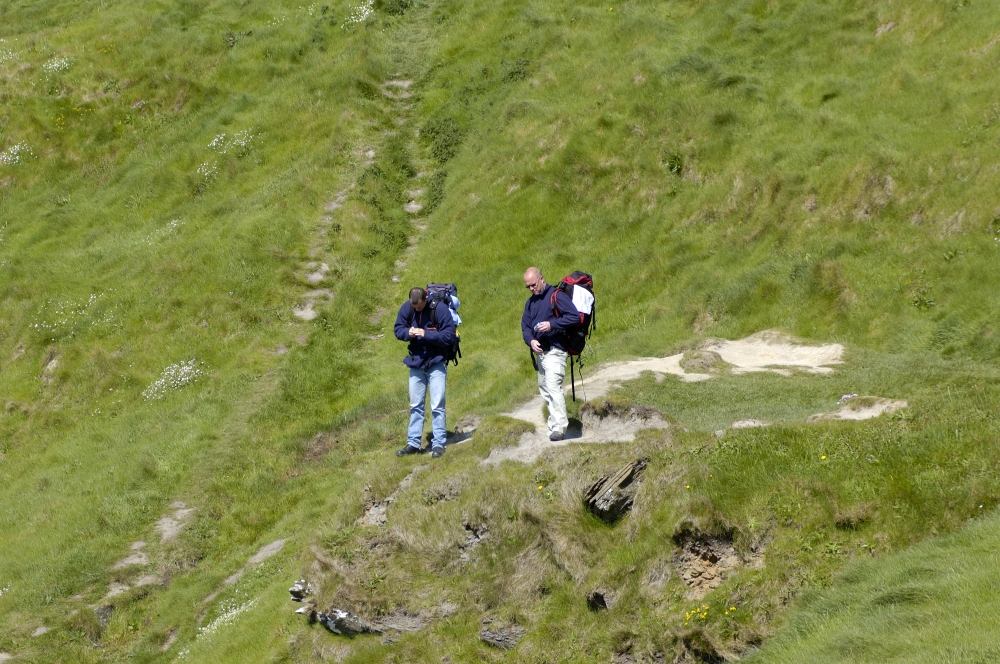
x,y
909,607
720,167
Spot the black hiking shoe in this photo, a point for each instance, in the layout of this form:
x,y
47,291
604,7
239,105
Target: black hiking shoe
x,y
409,449
556,435
437,452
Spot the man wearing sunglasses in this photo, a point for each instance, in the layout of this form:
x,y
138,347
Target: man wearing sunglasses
x,y
545,334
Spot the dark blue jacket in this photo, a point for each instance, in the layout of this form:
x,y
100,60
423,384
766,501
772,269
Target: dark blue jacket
x,y
538,309
439,334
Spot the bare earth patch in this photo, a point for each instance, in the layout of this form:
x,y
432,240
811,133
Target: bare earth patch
x,y
703,561
862,408
135,559
171,526
764,351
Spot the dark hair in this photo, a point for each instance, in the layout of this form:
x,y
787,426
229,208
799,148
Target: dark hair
x,y
417,295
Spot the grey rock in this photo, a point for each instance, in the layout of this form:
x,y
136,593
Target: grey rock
x,y
299,590
612,496
345,623
504,638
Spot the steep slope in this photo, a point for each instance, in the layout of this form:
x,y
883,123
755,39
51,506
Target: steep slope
x,y
209,213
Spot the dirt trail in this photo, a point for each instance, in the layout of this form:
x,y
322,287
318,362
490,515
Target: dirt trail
x,y
765,351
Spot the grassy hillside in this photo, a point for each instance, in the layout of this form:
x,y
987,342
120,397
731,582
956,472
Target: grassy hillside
x,y
177,177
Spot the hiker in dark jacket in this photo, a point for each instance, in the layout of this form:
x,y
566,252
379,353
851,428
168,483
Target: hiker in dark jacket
x,y
430,333
545,334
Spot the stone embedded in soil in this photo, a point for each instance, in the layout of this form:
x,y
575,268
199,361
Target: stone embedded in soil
x,y
103,615
475,533
345,623
40,630
5,656
504,638
612,496
299,590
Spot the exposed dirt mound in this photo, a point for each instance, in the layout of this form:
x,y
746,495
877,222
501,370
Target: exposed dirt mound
x,y
703,361
603,421
703,561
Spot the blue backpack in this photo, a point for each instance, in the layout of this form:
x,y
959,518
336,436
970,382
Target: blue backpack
x,y
447,295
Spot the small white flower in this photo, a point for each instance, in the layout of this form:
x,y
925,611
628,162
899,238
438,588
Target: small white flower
x,y
360,13
13,155
846,397
174,377
57,64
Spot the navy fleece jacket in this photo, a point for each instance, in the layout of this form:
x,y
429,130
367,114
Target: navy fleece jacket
x,y
538,309
439,334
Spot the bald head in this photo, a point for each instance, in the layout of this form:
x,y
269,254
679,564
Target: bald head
x,y
534,281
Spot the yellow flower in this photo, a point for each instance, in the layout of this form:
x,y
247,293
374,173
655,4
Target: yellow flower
x,y
539,487
823,457
688,486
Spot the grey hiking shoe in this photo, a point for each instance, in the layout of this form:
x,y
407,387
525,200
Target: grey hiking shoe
x,y
409,449
556,435
437,452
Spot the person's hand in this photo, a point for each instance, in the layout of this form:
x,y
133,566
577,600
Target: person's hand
x,y
544,327
536,347
416,332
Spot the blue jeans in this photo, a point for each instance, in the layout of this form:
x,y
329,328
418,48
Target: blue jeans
x,y
436,376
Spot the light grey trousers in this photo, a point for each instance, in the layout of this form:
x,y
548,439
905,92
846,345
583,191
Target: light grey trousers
x,y
551,371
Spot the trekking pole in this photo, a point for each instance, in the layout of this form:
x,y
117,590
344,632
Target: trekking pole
x,y
572,378
582,385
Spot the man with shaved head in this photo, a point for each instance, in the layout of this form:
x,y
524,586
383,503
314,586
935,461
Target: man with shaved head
x,y
548,314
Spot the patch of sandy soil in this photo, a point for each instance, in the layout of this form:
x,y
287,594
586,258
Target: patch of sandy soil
x,y
863,408
266,552
5,656
397,89
170,641
171,526
305,310
115,588
764,351
139,557
319,273
749,424
769,350
40,630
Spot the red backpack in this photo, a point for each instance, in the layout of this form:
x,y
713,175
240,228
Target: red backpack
x,y
576,338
